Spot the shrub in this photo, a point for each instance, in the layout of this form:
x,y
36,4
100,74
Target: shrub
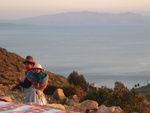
x,y
77,80
79,91
64,101
50,89
72,90
128,100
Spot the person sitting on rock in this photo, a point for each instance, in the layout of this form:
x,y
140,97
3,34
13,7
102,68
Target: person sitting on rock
x,y
34,84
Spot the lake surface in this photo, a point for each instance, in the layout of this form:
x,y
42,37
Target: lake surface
x,y
103,54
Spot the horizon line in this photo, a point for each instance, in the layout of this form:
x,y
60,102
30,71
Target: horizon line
x,y
65,12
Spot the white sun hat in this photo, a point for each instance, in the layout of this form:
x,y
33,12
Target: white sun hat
x,y
39,66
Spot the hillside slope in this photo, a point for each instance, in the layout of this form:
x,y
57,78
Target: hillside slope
x,y
12,68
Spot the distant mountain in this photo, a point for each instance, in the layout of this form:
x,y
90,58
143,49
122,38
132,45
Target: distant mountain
x,y
82,18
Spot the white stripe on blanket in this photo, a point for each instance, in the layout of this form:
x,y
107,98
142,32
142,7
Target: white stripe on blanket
x,y
3,103
25,107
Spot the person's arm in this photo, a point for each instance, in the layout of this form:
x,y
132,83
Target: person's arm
x,y
26,83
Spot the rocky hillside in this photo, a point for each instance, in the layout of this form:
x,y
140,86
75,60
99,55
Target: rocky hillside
x,y
12,68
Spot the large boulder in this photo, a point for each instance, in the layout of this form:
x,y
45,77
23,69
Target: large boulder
x,y
59,94
89,104
84,106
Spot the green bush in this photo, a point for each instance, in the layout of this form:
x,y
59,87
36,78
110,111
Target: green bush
x,y
69,91
76,79
128,100
74,90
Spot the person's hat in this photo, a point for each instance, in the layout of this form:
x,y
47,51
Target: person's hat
x,y
39,66
29,59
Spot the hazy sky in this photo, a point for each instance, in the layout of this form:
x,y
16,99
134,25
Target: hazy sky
x,y
12,9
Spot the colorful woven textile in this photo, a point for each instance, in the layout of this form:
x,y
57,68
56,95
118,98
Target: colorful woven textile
x,y
6,107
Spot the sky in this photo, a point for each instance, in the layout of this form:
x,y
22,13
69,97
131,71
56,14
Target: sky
x,y
16,9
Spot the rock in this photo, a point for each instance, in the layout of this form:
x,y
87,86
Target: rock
x,y
2,93
83,106
113,109
70,108
89,104
59,94
93,87
103,109
56,106
74,96
6,98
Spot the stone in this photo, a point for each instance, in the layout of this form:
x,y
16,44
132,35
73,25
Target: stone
x,y
6,98
93,87
83,106
89,104
103,109
59,94
2,93
74,96
56,106
70,108
113,109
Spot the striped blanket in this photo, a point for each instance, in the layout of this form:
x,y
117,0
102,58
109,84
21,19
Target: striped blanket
x,y
6,107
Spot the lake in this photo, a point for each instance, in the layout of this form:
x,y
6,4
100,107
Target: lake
x,y
102,53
